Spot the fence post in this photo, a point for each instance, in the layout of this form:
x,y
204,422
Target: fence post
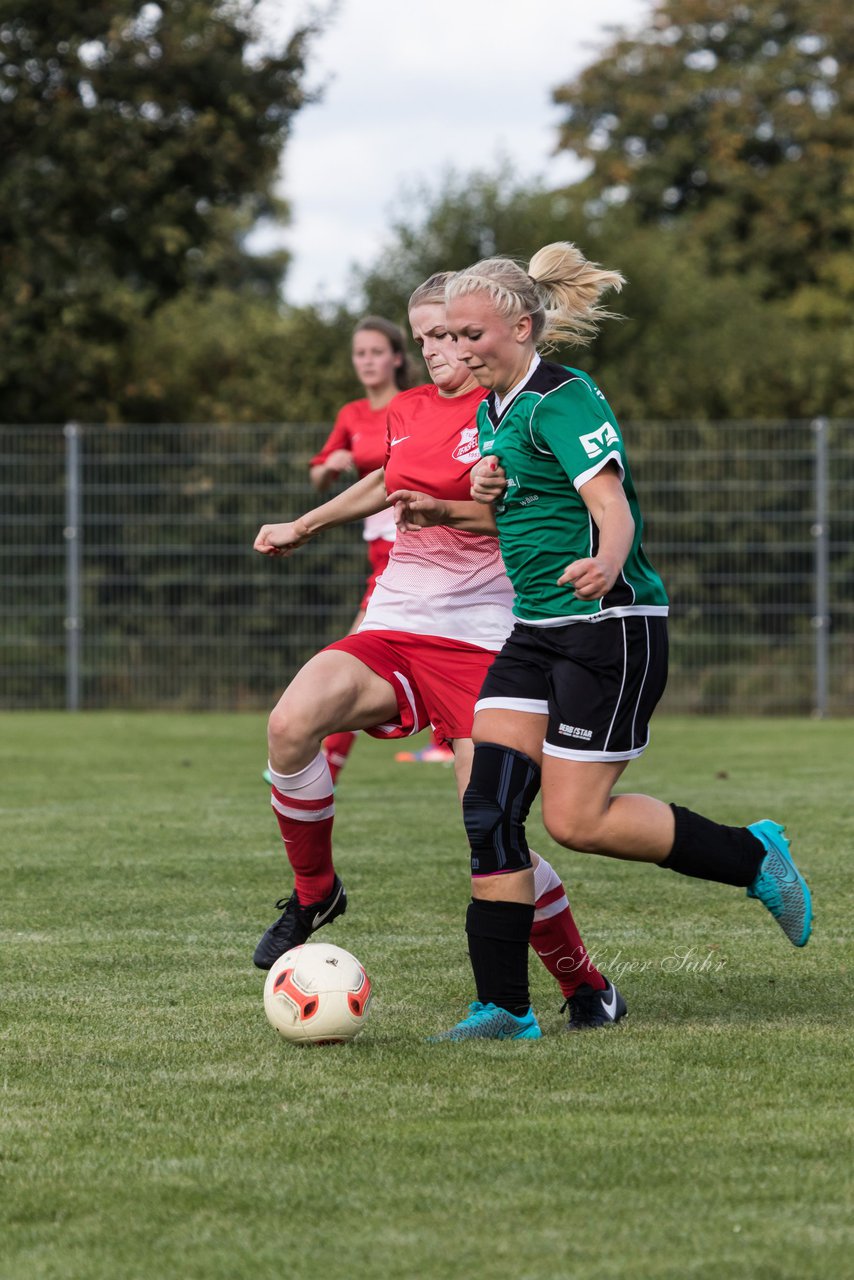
x,y
71,533
820,532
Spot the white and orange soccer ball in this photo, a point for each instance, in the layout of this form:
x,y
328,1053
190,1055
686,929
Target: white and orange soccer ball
x,y
317,994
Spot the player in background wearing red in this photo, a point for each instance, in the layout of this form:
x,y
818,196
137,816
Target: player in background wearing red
x,y
435,620
357,443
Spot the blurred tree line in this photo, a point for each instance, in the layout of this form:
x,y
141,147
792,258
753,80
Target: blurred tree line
x,y
142,142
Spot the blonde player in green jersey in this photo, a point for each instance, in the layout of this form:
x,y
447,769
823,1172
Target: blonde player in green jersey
x,y
567,702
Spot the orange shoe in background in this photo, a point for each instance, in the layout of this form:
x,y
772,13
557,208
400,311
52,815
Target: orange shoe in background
x,y
427,755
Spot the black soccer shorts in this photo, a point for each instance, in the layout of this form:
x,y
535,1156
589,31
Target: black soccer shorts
x,y
598,683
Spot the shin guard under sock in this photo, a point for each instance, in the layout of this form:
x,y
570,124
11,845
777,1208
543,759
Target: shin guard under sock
x,y
555,937
304,809
709,851
498,934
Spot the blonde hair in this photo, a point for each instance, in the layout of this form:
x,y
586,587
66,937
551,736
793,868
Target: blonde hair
x,y
560,291
432,290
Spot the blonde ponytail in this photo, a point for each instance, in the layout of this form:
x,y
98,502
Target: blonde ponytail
x,y
560,291
570,288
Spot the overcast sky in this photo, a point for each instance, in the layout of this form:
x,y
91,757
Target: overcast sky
x,y
412,90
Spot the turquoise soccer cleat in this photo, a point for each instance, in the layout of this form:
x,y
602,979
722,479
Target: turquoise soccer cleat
x,y
779,885
489,1022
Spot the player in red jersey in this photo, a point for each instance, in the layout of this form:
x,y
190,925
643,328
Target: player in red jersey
x,y
357,443
435,620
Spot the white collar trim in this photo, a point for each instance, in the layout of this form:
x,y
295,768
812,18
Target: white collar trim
x,y
501,405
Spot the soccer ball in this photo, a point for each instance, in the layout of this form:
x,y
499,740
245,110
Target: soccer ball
x,y
317,994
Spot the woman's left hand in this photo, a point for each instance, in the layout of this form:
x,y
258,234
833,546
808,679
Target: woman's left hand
x,y
488,481
590,577
414,510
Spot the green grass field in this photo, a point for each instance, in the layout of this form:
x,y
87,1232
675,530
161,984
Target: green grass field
x,y
155,1126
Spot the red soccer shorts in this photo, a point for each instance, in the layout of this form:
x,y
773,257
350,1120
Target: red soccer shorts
x,y
436,681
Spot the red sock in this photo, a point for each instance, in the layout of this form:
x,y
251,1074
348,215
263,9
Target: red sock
x,y
555,936
336,748
304,809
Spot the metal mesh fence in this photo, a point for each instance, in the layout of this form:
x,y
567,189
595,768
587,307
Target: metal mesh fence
x,y
129,580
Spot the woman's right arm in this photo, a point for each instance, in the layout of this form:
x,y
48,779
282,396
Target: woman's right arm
x,y
414,510
364,498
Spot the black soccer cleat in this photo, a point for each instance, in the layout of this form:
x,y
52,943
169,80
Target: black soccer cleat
x,y
589,1009
297,923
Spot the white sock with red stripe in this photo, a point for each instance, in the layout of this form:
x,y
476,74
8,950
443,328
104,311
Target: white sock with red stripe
x,y
304,808
555,936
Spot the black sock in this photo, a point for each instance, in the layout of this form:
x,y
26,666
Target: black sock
x,y
498,934
709,851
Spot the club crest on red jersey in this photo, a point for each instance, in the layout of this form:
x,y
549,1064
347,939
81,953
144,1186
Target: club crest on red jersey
x,y
467,450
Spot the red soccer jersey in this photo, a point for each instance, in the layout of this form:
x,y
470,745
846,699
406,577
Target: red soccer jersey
x,y
442,581
432,442
362,430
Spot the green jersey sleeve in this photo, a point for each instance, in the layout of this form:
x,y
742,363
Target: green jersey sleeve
x,y
576,425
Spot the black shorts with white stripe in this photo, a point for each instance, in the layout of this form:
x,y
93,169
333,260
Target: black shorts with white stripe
x,y
598,683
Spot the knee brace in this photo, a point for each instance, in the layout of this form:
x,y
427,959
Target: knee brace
x,y
501,789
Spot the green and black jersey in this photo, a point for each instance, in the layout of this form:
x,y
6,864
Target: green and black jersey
x,y
556,433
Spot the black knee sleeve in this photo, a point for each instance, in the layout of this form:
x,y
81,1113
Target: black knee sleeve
x,y
501,789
